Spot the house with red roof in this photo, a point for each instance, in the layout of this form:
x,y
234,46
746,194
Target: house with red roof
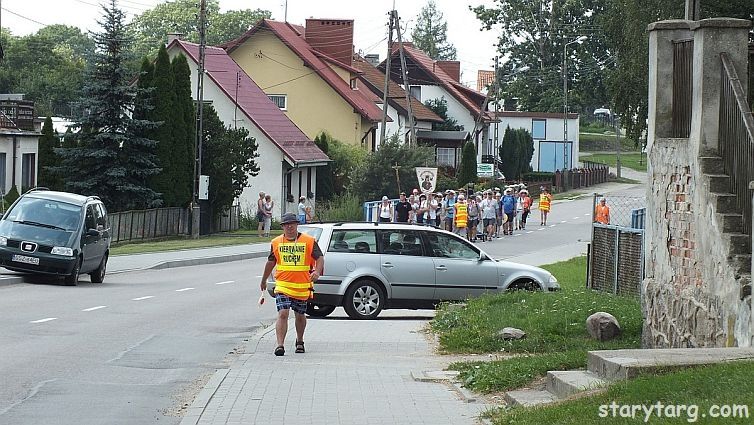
x,y
288,158
373,80
429,79
308,72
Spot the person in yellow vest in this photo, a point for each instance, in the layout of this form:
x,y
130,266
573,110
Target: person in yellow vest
x,y
461,215
545,199
602,212
298,263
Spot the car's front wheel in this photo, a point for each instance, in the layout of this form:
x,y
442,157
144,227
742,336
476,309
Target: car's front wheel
x,y
316,310
364,300
73,278
98,275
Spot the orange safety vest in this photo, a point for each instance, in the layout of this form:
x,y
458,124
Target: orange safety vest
x,y
294,262
602,214
462,216
544,202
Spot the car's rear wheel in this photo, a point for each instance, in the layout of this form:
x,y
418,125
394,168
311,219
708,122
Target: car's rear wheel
x,y
98,275
73,278
316,310
364,300
524,285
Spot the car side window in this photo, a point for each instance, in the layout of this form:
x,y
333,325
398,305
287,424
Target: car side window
x,y
90,222
361,241
447,246
401,242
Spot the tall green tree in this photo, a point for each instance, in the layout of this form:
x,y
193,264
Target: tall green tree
x,y
185,130
167,118
110,158
48,159
467,169
440,107
228,158
150,28
375,177
430,34
534,34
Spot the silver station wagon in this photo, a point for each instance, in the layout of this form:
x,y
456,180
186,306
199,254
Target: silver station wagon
x,y
374,266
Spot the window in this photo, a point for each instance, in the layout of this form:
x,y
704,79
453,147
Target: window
x,y
401,242
446,156
538,129
360,241
28,170
280,100
415,91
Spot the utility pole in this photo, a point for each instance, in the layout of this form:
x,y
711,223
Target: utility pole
x,y
385,96
200,115
404,76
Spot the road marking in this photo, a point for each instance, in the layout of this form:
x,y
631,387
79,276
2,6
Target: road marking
x,y
223,283
184,289
44,320
143,298
94,308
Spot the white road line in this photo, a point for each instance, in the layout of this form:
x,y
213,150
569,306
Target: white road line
x,y
94,308
44,320
184,289
142,298
223,283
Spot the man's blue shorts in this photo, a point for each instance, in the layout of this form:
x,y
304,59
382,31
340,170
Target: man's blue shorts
x,y
284,302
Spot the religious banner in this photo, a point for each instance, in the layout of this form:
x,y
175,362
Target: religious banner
x,y
427,177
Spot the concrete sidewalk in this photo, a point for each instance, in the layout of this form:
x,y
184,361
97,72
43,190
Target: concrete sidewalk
x,y
353,372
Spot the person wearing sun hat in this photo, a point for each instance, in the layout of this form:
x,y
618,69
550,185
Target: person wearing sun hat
x,y
298,263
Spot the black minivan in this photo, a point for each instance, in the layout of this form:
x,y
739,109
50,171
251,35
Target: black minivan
x,y
56,233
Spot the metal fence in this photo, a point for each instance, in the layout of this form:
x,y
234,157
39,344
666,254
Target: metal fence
x,y
616,254
140,225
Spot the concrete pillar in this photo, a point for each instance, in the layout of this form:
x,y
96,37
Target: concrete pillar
x,y
660,108
712,37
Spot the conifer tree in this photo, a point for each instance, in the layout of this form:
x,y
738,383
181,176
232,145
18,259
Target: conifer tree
x,y
110,157
48,159
467,169
166,116
185,131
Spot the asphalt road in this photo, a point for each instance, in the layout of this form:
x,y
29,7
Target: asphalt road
x,y
133,350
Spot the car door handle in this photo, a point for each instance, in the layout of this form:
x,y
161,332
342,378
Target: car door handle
x,y
441,268
387,265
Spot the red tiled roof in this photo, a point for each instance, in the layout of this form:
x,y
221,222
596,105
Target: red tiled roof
x,y
254,103
292,36
376,79
441,77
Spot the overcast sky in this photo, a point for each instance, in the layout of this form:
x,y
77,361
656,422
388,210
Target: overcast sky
x,y
475,48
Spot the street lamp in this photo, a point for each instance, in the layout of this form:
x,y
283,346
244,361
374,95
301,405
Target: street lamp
x,y
578,40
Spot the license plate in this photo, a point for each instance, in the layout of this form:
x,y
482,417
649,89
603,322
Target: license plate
x,y
25,259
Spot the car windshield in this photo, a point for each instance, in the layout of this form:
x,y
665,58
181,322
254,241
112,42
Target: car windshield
x,y
45,213
314,232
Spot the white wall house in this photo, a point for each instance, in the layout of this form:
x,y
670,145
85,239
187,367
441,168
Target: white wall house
x,y
288,159
548,132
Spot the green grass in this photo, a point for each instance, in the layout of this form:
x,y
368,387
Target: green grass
x,y
172,244
633,160
554,324
721,384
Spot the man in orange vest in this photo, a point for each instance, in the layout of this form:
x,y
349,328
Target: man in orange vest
x,y
299,263
602,212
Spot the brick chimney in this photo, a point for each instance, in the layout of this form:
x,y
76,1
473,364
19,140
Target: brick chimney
x,y
333,37
452,68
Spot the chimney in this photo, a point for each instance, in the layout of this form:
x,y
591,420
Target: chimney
x,y
373,58
333,37
174,36
452,68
